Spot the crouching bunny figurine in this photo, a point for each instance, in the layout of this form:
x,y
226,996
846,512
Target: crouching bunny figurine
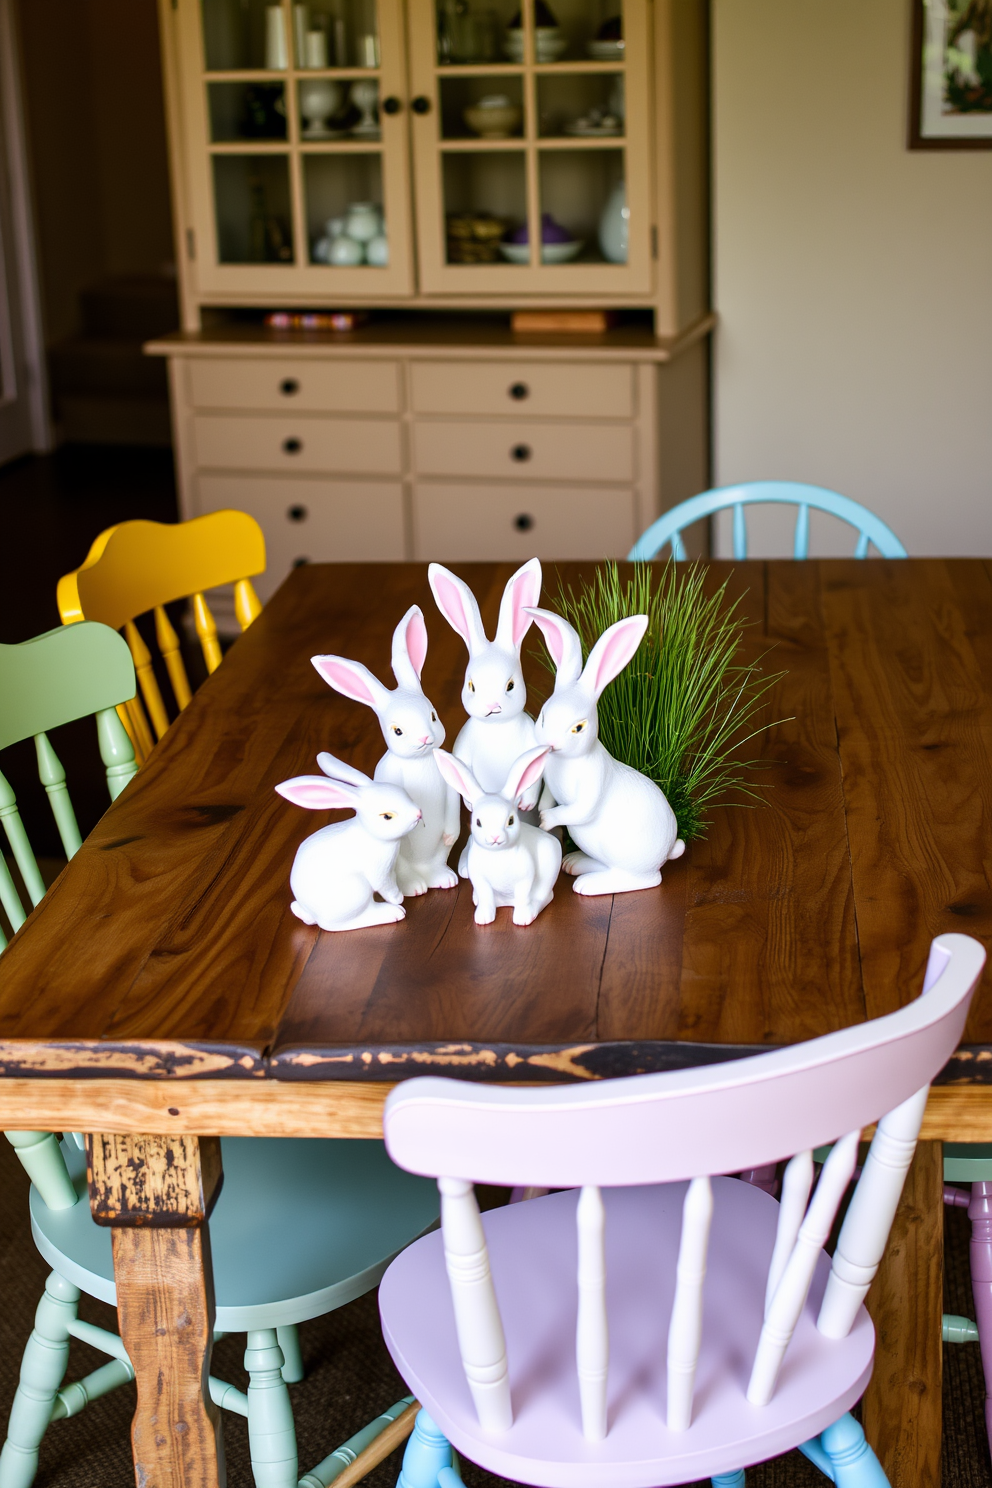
x,y
509,862
412,730
620,820
338,869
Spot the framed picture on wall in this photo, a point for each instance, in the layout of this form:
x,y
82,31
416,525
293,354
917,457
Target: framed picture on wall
x,y
951,73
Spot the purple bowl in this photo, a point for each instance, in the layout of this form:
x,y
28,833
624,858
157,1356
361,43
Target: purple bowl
x,y
551,232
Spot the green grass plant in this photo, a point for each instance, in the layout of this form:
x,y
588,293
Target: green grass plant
x,y
688,705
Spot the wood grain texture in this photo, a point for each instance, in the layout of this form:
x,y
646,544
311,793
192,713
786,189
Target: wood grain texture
x,y
152,1181
901,1409
806,914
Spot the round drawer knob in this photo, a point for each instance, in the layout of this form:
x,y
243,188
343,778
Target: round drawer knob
x,y
292,446
519,391
297,513
421,104
300,562
524,522
391,105
521,452
289,386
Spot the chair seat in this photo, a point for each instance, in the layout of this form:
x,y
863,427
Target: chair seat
x,y
968,1162
300,1227
533,1254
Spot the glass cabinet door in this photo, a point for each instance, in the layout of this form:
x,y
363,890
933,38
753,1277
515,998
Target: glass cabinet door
x,y
298,148
530,141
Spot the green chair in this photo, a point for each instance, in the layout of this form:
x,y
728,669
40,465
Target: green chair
x,y
300,1228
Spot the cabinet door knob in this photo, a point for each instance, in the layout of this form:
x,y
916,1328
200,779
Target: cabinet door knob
x,y
289,386
523,522
421,104
300,562
521,452
520,391
292,446
297,513
391,105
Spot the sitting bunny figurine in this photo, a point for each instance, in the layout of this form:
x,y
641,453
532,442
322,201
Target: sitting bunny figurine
x,y
509,862
498,730
338,869
412,730
619,818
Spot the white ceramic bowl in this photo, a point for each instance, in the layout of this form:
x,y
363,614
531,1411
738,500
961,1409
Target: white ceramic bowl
x,y
549,44
493,123
551,253
606,51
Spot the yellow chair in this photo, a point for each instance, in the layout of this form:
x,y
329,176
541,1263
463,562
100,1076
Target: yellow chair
x,y
140,566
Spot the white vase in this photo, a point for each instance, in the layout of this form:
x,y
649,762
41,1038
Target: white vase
x,y
614,225
276,52
319,99
365,96
377,251
344,252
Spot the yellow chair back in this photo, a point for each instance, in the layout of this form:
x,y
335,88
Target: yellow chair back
x,y
142,566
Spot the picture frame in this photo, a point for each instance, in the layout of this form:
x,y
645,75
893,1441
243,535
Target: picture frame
x,y
951,75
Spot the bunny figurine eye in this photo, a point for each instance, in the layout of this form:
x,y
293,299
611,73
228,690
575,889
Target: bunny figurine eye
x,y
478,821
577,729
509,685
397,731
509,821
471,685
386,815
433,716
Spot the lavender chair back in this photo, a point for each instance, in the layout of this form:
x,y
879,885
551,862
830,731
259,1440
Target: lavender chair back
x,y
690,1125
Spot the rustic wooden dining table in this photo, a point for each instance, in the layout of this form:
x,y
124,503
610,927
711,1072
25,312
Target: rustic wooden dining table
x,y
163,995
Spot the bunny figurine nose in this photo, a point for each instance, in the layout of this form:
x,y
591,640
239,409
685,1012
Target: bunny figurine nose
x,y
496,838
493,708
426,739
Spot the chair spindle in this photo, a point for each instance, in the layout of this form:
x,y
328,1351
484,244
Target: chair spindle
x,y
800,546
41,1158
21,848
206,629
592,1339
866,1226
792,1291
247,605
861,550
142,658
52,776
481,1341
797,1181
740,532
132,715
678,548
685,1331
168,644
115,751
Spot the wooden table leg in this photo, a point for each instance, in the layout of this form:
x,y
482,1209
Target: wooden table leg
x,y
156,1193
901,1410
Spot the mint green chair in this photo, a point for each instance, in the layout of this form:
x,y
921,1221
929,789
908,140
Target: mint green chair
x,y
300,1227
671,524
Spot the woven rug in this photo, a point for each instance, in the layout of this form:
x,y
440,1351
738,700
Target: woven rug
x,y
350,1379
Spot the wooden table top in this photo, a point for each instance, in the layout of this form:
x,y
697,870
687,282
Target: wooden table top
x,y
167,948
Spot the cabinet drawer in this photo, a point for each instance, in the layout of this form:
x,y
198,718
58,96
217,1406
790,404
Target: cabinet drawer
x,y
464,524
338,446
316,387
528,389
313,521
525,451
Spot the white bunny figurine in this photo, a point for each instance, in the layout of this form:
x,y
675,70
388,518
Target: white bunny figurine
x,y
619,818
412,731
509,862
337,870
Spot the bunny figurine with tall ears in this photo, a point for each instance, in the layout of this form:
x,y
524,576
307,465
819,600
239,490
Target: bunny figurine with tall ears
x,y
620,820
412,731
337,870
498,730
509,862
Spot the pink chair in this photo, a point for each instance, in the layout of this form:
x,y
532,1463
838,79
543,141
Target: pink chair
x,y
567,1385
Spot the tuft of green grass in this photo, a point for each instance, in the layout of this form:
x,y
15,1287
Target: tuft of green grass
x,y
687,706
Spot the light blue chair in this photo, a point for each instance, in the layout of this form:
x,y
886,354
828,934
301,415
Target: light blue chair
x,y
671,524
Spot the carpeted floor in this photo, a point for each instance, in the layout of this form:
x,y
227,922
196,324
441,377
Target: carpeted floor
x,y
350,1378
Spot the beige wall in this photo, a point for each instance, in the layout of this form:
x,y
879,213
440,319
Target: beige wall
x,y
96,128
853,276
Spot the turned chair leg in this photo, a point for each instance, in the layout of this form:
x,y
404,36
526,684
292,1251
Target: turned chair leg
x,y
980,1214
729,1480
843,1454
271,1431
42,1372
289,1342
765,1178
427,1455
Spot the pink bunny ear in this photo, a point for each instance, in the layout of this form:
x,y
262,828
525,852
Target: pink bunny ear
x,y
522,592
563,643
317,793
459,776
612,651
352,679
409,647
458,605
524,771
